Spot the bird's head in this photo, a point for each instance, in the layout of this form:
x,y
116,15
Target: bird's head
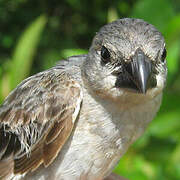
x,y
127,59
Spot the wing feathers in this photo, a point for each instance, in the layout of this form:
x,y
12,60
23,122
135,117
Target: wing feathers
x,y
10,147
29,163
54,132
51,149
36,119
4,141
6,168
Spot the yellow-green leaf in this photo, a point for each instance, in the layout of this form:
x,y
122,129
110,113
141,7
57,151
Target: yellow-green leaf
x,y
25,50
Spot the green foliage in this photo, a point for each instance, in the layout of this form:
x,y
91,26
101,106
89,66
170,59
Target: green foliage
x,y
25,50
22,58
152,11
72,52
66,29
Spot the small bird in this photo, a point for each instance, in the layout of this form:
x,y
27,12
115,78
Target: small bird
x,y
75,120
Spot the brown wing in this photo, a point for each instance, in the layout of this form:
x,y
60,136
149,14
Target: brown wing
x,y
36,119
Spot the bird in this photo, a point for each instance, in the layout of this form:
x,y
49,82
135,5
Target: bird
x,y
76,120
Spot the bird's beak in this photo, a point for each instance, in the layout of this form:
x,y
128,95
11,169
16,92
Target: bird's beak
x,y
139,70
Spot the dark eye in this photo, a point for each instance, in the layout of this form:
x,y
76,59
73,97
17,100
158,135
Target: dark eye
x,y
105,54
163,57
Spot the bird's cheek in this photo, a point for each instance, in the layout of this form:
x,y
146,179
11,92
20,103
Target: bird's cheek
x,y
160,81
109,82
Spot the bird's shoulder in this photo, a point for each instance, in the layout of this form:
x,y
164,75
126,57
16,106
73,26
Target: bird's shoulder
x,y
37,118
72,61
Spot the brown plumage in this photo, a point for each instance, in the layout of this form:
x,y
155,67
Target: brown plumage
x,y
35,121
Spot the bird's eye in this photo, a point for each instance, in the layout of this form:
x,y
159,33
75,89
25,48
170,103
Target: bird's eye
x,y
163,57
105,54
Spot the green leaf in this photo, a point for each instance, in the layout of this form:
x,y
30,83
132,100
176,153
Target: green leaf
x,y
25,51
134,166
152,11
165,124
72,52
175,156
173,59
4,79
112,14
172,31
172,36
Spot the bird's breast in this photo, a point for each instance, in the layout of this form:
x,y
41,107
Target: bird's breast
x,y
100,137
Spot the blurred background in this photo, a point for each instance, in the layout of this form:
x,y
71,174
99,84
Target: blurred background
x,y
35,34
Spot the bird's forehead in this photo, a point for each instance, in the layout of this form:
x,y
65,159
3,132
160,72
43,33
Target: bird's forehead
x,y
127,35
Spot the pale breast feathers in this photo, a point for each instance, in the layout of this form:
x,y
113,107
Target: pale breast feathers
x,y
36,119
